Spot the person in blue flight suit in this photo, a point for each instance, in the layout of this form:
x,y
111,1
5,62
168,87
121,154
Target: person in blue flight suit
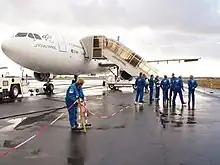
x,y
173,78
73,93
165,85
151,87
177,88
157,87
140,83
192,84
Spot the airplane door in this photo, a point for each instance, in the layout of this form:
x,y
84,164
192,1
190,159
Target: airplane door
x,y
61,44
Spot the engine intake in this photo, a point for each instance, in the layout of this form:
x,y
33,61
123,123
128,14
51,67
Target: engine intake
x,y
43,77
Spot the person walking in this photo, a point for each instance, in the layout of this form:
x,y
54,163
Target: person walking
x,y
192,85
140,83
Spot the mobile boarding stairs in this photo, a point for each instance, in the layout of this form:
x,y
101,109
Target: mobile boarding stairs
x,y
101,47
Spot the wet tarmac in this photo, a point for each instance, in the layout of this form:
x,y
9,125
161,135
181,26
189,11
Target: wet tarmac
x,y
121,134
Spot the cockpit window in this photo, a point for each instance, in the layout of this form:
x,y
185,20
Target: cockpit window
x,y
30,35
21,35
37,36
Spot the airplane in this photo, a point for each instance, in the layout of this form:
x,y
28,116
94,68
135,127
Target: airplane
x,y
48,56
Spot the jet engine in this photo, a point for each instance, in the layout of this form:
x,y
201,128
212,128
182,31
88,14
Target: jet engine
x,y
125,76
43,77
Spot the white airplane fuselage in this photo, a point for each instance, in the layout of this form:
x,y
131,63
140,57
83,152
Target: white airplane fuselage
x,y
49,55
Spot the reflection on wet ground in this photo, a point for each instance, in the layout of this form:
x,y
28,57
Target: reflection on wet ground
x,y
175,115
77,150
30,121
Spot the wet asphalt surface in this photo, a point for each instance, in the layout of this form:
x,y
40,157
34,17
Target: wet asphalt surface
x,y
173,136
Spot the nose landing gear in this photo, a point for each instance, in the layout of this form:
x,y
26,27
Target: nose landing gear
x,y
48,88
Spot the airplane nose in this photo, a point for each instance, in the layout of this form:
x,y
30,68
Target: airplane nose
x,y
5,47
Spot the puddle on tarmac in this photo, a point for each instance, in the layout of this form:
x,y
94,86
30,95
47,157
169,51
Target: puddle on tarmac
x,y
119,126
9,144
12,123
36,151
75,161
30,121
107,127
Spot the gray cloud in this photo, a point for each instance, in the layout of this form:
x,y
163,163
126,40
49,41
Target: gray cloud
x,y
181,27
185,15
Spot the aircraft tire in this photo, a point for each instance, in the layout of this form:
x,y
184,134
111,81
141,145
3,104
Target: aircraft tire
x,y
134,87
50,88
111,86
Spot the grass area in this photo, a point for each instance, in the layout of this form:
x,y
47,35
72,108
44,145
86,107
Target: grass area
x,y
208,82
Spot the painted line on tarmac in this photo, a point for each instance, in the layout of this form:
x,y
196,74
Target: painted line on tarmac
x,y
109,116
38,133
30,113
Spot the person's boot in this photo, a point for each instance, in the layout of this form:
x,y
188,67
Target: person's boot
x,y
170,102
74,127
79,127
184,104
88,124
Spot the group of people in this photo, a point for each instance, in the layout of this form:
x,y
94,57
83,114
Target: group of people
x,y
174,86
170,87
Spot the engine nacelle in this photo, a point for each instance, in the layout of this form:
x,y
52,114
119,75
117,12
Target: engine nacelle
x,y
125,76
43,77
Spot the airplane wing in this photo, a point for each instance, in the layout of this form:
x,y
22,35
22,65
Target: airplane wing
x,y
181,59
110,65
3,67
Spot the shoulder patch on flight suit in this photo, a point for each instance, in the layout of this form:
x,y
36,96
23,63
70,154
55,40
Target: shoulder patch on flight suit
x,y
71,91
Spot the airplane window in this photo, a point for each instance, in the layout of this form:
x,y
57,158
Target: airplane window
x,y
30,35
134,62
138,57
21,35
37,36
96,43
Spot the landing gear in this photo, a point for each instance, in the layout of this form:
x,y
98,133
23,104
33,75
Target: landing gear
x,y
48,88
75,79
134,87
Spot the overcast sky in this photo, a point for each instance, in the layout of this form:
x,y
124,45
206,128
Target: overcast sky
x,y
156,29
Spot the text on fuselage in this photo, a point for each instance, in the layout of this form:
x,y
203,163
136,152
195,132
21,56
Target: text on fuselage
x,y
45,46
